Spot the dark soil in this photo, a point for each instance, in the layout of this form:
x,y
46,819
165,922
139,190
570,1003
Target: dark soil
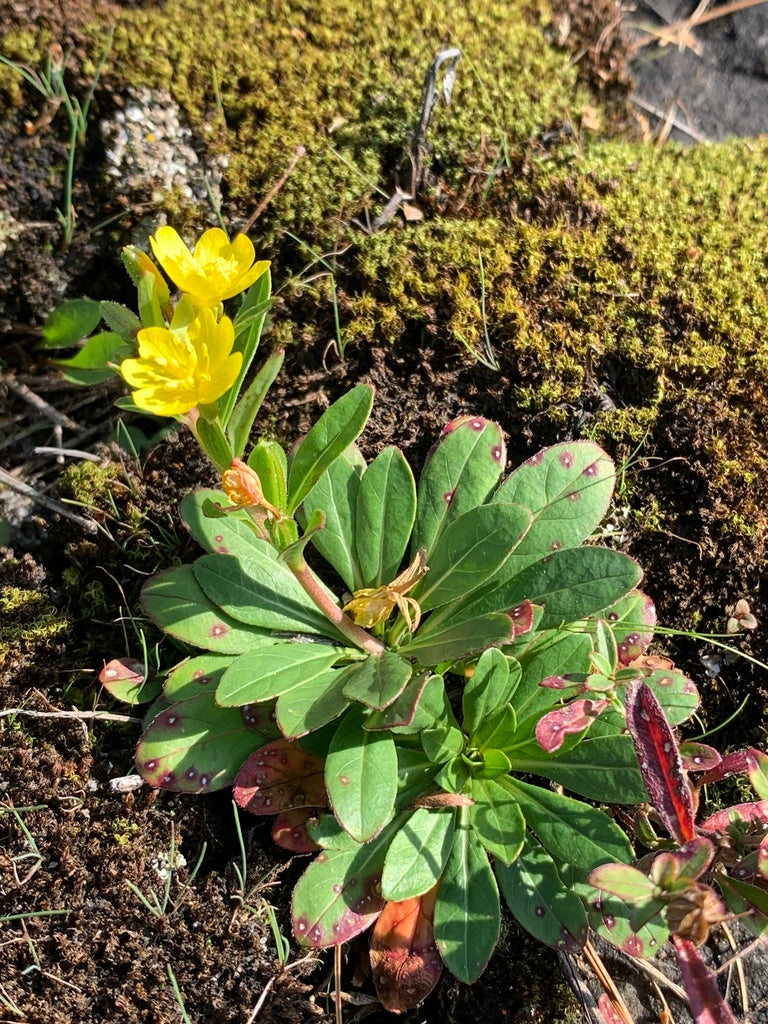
x,y
69,844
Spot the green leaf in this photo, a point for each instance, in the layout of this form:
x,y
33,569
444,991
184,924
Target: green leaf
x,y
570,585
335,493
195,746
311,705
247,409
265,674
89,365
613,918
404,713
540,901
497,731
361,776
571,831
379,680
336,429
177,604
469,551
598,768
70,322
624,881
128,680
568,488
249,323
119,318
195,675
231,533
467,912
460,472
451,643
385,511
488,689
418,853
259,590
497,819
269,462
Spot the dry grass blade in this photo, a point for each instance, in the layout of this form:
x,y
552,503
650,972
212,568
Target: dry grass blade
x,y
604,977
679,32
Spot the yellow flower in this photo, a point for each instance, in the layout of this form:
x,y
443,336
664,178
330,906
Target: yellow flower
x,y
374,605
216,270
180,368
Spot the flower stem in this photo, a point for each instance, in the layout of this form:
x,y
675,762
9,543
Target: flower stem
x,y
312,587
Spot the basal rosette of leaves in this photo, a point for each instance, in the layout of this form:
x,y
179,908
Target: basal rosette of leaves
x,y
415,757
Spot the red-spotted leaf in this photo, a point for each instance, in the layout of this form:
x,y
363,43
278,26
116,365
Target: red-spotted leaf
x,y
660,762
127,680
762,857
339,894
637,929
193,675
608,1010
757,766
279,777
194,746
522,616
704,999
675,692
262,718
404,960
699,757
719,822
175,601
632,620
289,830
540,901
459,473
568,720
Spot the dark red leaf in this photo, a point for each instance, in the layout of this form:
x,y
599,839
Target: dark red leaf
x,y
608,1012
522,618
660,762
289,830
699,757
706,1003
404,958
279,777
731,764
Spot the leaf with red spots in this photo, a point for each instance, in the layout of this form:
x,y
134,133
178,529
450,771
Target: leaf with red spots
x,y
405,963
608,1011
757,766
660,762
540,901
754,811
632,620
289,830
194,675
459,473
699,757
568,488
704,999
573,718
687,864
361,776
279,777
231,534
175,602
637,929
339,895
762,857
194,746
675,692
127,680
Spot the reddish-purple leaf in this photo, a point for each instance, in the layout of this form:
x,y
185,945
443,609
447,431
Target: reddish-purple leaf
x,y
706,1003
522,618
660,762
279,777
289,830
575,717
608,1011
731,764
762,857
405,962
688,863
699,757
719,822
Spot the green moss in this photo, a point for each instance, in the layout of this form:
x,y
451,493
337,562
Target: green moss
x,y
88,483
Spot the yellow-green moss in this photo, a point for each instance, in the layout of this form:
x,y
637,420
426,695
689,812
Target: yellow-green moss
x,y
88,482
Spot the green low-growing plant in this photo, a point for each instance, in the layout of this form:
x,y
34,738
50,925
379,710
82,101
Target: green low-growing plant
x,y
407,730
